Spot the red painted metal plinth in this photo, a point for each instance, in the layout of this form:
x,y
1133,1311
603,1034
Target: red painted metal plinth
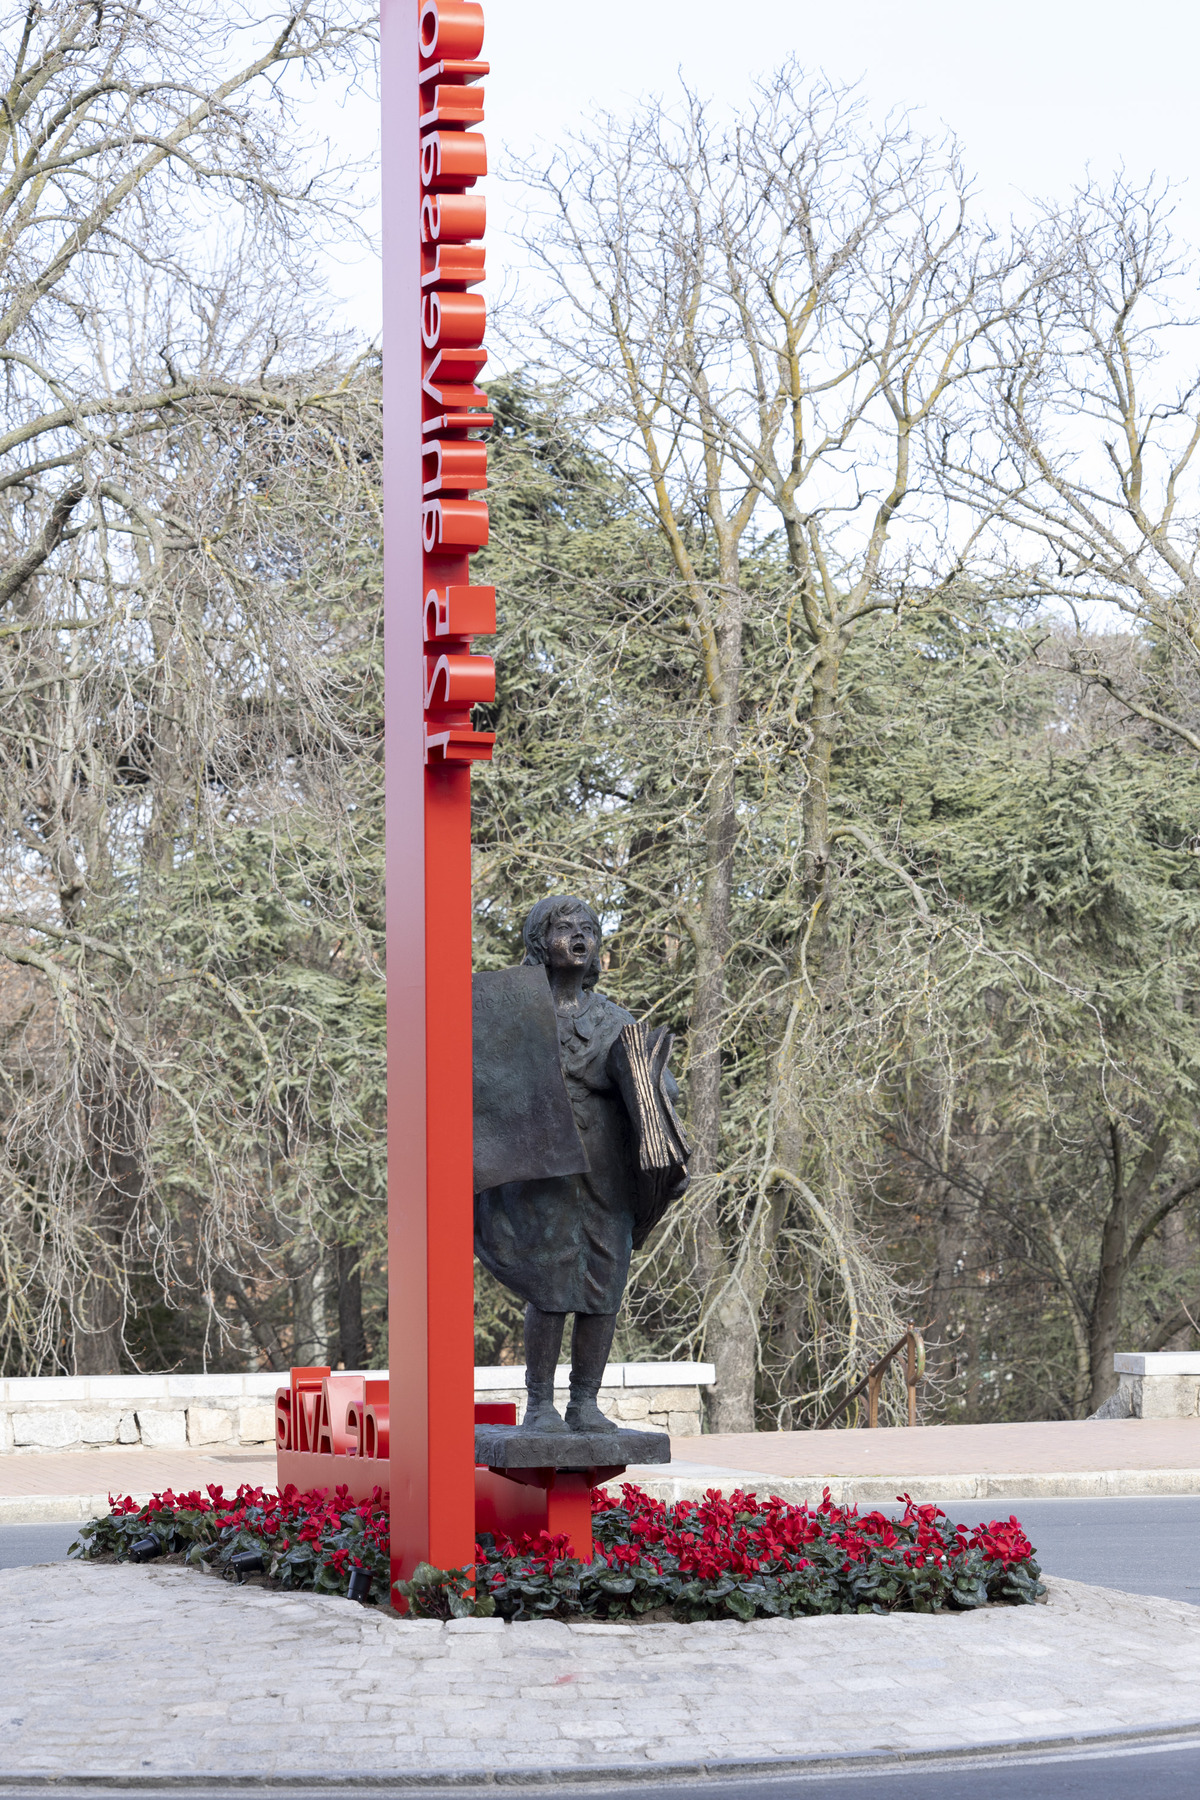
x,y
523,1502
324,1474
558,1502
552,1500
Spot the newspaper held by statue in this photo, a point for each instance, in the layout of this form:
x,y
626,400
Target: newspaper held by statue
x,y
638,1063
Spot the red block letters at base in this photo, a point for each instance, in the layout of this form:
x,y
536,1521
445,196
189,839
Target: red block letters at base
x,y
331,1431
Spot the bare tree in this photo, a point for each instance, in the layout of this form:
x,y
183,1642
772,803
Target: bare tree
x,y
167,397
1079,455
129,153
764,319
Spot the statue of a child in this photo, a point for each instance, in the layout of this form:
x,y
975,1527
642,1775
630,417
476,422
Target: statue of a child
x,y
563,1243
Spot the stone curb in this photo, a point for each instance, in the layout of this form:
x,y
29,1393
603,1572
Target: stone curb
x,y
1089,1744
55,1509
877,1490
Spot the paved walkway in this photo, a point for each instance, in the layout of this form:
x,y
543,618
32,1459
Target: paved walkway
x,y
932,1462
115,1670
943,1462
73,1485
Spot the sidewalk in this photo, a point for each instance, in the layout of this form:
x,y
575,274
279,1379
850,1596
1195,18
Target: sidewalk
x,y
932,1462
112,1670
941,1462
70,1486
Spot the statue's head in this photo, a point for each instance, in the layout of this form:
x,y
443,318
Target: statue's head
x,y
564,928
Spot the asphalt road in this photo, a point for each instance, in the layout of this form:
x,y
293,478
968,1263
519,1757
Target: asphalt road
x,y
22,1545
1148,1775
1141,1546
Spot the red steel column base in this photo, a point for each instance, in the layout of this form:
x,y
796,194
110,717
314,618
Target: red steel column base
x,y
524,1502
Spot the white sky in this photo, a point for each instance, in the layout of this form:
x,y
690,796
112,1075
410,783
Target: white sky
x,y
1036,89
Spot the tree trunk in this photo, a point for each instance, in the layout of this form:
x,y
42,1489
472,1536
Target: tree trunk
x,y
1102,1338
946,1328
731,1334
352,1341
1110,1279
115,1104
1130,1193
311,1331
822,723
736,1324
100,1315
259,1327
732,1340
1178,1251
1105,1321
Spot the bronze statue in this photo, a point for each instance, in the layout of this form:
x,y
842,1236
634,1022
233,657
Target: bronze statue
x,y
562,1241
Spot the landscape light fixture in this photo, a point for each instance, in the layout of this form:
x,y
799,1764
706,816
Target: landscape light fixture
x,y
144,1548
246,1562
360,1585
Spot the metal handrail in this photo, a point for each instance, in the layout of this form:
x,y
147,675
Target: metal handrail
x,y
914,1370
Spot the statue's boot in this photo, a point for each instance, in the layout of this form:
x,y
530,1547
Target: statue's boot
x,y
591,1341
543,1340
540,1413
583,1414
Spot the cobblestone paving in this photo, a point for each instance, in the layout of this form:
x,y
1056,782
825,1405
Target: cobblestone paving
x,y
120,1670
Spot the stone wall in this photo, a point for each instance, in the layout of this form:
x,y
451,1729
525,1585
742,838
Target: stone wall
x,y
654,1396
175,1412
161,1412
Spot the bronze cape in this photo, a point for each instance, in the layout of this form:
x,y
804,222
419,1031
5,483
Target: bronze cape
x,y
564,1242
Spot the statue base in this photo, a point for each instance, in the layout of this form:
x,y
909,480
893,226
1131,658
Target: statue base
x,y
507,1448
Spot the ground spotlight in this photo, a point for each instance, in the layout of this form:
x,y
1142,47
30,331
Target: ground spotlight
x,y
144,1548
246,1562
360,1585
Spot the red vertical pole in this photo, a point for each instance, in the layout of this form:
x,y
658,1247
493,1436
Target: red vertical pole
x,y
433,329
449,1274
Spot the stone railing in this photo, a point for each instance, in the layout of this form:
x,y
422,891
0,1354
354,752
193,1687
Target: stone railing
x,y
1160,1384
172,1412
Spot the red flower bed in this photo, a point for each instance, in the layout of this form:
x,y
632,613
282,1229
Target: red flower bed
x,y
306,1540
744,1558
737,1557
